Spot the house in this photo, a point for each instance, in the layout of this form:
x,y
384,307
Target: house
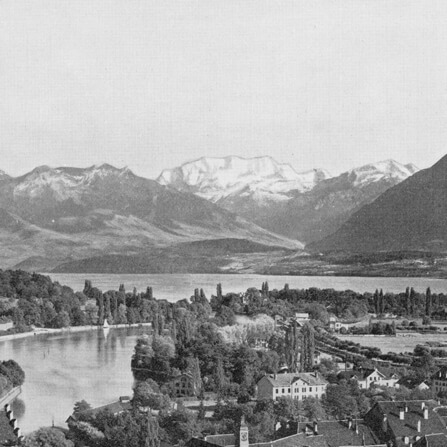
x,y
123,404
403,423
335,324
295,385
350,432
295,440
439,380
317,434
413,383
183,385
367,377
435,440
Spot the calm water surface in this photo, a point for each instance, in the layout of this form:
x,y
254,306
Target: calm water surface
x,y
62,369
178,286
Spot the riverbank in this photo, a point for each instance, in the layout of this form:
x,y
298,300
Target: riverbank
x,y
46,331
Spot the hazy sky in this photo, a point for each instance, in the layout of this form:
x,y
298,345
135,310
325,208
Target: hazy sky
x,y
153,83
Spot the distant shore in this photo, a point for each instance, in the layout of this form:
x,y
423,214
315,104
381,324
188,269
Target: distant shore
x,y
70,329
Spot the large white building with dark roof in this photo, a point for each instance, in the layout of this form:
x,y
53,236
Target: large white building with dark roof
x,y
295,385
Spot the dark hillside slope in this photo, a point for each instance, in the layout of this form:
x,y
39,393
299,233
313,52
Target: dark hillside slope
x,y
410,216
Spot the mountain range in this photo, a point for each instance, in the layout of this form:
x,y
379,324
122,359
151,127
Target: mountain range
x,y
409,216
216,214
306,206
53,216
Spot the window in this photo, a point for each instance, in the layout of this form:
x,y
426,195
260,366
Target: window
x,y
310,389
304,390
277,390
288,390
283,390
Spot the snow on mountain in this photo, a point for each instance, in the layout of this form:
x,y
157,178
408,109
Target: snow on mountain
x,y
382,170
260,177
64,183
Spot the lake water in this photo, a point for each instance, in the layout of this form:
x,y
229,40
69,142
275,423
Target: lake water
x,y
62,369
178,286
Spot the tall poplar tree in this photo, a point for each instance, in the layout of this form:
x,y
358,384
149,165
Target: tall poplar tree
x,y
292,348
307,348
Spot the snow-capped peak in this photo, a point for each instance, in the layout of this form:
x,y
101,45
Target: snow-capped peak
x,y
381,170
64,182
216,178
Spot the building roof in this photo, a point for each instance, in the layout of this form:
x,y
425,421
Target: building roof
x,y
364,373
435,440
342,433
411,382
296,440
286,379
441,374
408,426
221,440
115,408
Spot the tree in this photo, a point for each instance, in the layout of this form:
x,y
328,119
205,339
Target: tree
x,y
47,437
428,303
313,410
151,437
81,406
292,348
62,319
12,370
308,348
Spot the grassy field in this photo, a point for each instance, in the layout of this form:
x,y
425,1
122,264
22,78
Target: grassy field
x,y
401,343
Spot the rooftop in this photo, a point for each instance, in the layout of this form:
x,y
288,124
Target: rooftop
x,y
413,423
342,433
287,379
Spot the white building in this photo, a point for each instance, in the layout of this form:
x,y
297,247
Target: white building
x,y
295,385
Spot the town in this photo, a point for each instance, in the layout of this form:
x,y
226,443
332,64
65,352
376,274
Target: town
x,y
262,367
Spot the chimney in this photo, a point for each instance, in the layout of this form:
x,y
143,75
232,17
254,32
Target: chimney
x,y
425,413
419,426
384,424
406,407
17,432
10,415
422,405
349,423
13,423
274,376
315,427
401,414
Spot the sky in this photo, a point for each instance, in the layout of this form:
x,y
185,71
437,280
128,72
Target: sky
x,y
151,84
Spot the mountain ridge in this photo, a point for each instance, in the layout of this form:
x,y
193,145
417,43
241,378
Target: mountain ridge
x,y
306,214
408,216
63,214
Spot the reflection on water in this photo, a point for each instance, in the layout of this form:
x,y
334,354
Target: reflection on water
x,y
62,369
18,408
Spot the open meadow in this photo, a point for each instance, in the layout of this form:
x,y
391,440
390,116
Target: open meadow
x,y
404,342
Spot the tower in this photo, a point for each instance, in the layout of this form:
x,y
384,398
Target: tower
x,y
243,433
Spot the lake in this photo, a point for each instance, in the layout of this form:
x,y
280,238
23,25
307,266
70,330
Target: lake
x,y
62,369
174,287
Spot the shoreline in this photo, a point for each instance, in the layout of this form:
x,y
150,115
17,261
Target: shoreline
x,y
70,329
